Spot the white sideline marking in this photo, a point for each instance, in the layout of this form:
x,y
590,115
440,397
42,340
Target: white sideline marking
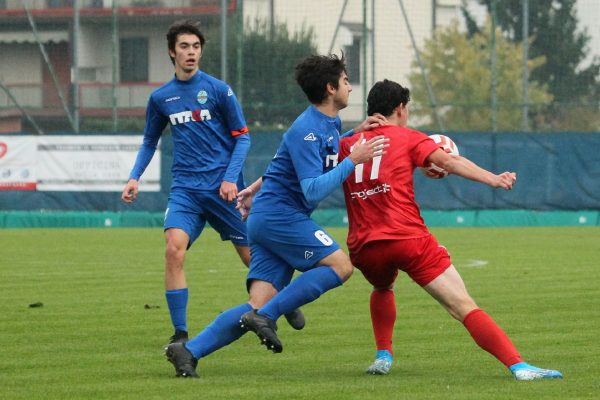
x,y
474,263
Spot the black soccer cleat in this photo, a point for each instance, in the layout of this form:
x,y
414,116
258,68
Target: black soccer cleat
x,y
183,361
179,337
265,328
296,319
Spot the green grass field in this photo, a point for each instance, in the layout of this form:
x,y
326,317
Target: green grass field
x,y
94,339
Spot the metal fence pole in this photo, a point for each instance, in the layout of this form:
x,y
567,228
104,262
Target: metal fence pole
x,y
224,40
240,50
525,65
22,109
494,99
75,58
49,66
364,57
493,62
373,42
430,93
337,26
115,63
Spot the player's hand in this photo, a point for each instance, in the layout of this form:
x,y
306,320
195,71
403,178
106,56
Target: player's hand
x,y
506,180
244,202
228,191
363,151
130,191
372,122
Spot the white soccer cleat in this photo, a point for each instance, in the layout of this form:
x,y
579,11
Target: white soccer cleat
x,y
525,372
382,364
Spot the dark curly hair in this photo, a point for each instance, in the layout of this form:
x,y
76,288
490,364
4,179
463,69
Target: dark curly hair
x,y
385,96
315,72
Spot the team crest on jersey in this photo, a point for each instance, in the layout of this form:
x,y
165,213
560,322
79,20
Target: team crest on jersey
x,y
202,97
310,137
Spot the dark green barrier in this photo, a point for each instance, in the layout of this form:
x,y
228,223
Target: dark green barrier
x,y
325,217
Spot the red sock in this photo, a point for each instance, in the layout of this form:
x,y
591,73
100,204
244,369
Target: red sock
x,y
383,317
490,337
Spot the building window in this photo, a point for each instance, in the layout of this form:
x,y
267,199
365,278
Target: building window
x,y
60,3
351,36
134,59
352,54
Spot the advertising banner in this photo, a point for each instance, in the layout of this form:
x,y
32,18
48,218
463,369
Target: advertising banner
x,y
17,163
73,163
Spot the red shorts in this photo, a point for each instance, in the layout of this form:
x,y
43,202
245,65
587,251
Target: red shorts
x,y
423,259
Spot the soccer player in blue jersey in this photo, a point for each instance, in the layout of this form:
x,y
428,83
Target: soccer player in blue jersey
x,y
211,142
283,237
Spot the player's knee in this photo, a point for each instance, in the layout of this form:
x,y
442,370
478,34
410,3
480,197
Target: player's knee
x,y
174,254
260,292
344,270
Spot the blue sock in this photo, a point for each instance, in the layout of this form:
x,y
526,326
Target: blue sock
x,y
222,331
177,301
308,287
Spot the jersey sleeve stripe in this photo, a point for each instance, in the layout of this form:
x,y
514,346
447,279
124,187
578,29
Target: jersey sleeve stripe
x,y
239,131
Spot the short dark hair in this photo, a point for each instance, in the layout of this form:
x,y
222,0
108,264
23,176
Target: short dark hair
x,y
183,27
316,71
385,96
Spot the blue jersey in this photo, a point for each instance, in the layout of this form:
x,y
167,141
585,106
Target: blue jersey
x,y
210,136
308,149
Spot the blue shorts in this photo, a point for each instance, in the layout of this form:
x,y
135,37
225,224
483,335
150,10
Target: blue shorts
x,y
190,211
283,243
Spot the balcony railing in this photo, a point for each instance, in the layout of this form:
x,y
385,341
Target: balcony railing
x,y
103,6
92,96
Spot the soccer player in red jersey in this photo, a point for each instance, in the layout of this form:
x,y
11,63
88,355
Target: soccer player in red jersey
x,y
387,232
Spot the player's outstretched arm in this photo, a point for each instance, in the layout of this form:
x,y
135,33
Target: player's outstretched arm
x,y
466,168
130,191
244,198
372,122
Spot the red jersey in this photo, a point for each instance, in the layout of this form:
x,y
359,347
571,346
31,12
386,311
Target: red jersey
x,y
379,194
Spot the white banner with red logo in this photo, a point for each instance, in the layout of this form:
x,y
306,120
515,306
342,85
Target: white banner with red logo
x,y
73,163
17,163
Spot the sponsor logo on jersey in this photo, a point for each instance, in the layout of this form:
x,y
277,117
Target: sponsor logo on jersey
x,y
229,92
189,116
310,137
329,139
364,194
308,254
172,99
202,97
